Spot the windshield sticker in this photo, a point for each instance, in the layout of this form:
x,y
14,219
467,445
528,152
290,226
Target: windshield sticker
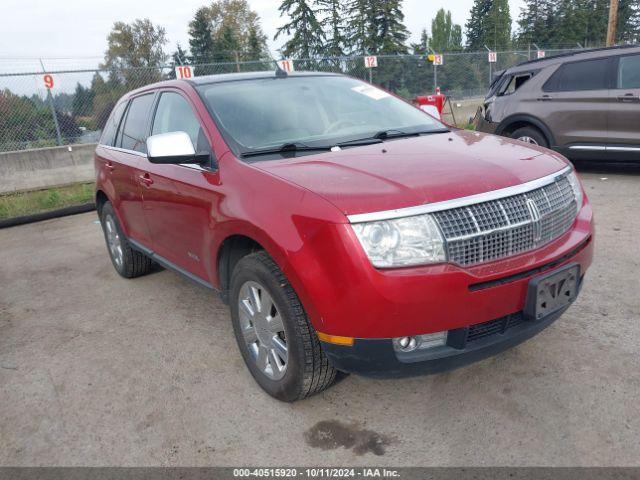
x,y
371,92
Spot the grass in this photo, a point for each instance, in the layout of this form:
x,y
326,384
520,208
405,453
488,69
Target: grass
x,y
28,203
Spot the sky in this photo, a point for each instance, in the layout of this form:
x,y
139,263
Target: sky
x,y
72,33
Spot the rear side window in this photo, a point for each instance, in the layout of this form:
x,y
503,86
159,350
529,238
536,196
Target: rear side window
x,y
629,72
110,129
134,131
577,76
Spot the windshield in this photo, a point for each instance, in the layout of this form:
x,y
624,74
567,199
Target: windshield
x,y
310,111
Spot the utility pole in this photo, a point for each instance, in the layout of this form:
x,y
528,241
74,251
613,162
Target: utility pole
x,y
613,23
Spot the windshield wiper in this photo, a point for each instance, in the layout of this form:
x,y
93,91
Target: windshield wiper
x,y
285,148
386,134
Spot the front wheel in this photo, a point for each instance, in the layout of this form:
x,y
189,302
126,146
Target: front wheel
x,y
276,339
530,135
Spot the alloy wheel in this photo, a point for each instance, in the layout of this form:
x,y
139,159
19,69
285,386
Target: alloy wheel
x,y
113,241
263,330
527,139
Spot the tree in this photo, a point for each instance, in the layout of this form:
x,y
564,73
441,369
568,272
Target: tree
x,y
307,37
201,41
445,35
227,30
422,47
136,45
489,24
333,26
82,104
391,33
568,22
179,57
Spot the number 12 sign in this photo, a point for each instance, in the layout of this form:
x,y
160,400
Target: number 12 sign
x,y
183,71
371,61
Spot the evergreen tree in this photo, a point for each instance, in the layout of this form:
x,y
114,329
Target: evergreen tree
x,y
489,24
392,34
201,41
357,32
255,49
307,36
333,26
422,47
82,103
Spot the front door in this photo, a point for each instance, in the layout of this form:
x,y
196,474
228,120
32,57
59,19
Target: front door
x,y
624,113
179,199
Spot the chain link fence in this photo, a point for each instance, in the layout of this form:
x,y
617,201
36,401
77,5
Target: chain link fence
x,y
43,109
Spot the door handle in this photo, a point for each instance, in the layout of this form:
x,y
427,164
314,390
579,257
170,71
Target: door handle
x,y
545,98
146,180
629,97
110,166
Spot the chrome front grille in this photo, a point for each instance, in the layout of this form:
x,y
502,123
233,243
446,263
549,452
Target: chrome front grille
x,y
500,228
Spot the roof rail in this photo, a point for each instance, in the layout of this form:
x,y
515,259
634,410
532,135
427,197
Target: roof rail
x,y
579,52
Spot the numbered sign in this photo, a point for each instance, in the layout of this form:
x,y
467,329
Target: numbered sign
x,y
542,54
371,61
184,71
438,59
493,57
286,65
48,81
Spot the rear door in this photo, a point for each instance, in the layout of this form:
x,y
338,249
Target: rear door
x,y
624,115
180,200
118,161
574,104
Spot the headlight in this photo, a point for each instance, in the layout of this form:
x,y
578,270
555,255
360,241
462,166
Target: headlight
x,y
574,181
401,242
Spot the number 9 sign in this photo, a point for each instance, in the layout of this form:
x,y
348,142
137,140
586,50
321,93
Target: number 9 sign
x,y
47,80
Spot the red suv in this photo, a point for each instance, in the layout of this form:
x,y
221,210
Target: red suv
x,y
347,230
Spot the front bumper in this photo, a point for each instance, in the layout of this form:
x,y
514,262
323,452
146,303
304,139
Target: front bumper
x,y
377,357
483,125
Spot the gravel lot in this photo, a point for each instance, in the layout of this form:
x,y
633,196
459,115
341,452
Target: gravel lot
x,y
98,370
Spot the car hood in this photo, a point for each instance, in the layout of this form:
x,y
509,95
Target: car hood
x,y
417,170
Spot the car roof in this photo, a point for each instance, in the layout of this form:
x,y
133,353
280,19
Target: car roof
x,y
234,77
592,53
225,77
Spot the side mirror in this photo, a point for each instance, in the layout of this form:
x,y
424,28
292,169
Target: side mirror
x,y
173,147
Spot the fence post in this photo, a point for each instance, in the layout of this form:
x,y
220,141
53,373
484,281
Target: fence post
x,y
53,109
237,61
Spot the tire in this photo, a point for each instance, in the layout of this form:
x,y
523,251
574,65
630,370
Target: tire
x,y
128,262
530,135
307,370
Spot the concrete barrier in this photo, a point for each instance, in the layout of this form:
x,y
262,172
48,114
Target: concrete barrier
x,y
46,167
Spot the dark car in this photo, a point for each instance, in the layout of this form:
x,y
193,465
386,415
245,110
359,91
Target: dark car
x,y
585,105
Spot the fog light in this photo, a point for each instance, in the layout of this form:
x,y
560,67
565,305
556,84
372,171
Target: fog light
x,y
405,344
420,342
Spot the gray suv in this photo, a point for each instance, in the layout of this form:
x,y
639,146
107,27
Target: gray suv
x,y
585,105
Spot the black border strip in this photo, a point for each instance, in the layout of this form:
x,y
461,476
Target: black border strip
x,y
38,217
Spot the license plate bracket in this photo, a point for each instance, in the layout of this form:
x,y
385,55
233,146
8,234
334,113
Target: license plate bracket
x,y
550,293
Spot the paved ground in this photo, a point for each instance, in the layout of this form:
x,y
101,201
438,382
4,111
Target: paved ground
x,y
97,370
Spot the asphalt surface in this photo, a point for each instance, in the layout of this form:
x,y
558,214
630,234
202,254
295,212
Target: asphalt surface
x,y
98,370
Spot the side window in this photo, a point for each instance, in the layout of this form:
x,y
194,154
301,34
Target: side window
x,y
578,76
109,131
629,72
134,131
174,114
515,83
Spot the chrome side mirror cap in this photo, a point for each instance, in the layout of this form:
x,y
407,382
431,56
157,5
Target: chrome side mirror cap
x,y
172,147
